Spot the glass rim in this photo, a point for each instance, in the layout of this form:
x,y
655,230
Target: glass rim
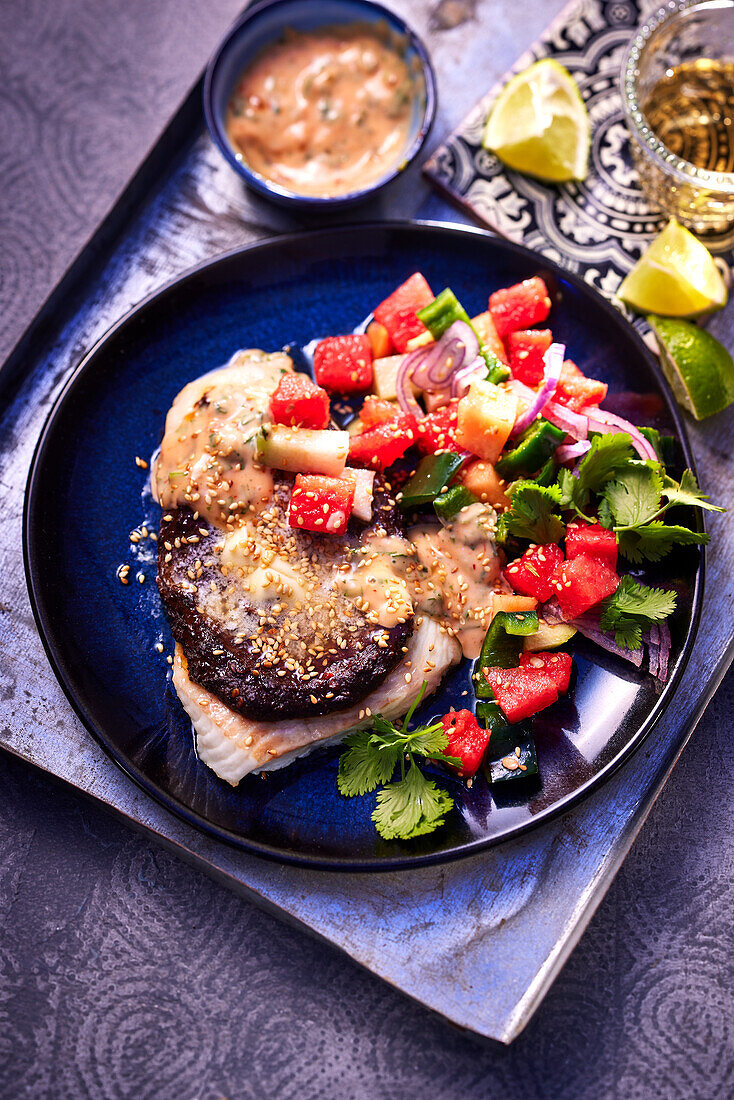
x,y
666,159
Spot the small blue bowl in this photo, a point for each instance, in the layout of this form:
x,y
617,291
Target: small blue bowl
x,y
264,23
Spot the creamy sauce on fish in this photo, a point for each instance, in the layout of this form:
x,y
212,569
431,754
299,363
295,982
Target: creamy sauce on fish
x,y
259,571
207,457
457,572
377,581
324,113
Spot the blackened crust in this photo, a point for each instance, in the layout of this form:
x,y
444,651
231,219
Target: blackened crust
x,y
350,663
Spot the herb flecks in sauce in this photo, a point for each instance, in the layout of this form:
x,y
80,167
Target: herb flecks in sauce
x,y
324,113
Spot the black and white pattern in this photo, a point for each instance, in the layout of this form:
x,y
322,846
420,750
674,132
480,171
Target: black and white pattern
x,y
598,228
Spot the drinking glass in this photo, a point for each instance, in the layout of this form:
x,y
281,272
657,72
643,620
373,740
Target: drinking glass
x,y
679,33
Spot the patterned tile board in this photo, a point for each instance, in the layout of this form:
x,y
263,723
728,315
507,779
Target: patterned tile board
x,y
600,227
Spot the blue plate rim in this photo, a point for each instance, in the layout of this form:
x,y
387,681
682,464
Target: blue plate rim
x,y
44,623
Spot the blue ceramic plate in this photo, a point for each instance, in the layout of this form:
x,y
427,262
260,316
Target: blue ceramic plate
x,y
85,495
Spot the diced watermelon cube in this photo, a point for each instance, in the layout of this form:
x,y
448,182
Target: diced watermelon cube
x,y
300,403
321,504
437,431
576,391
521,692
582,583
593,540
375,410
526,349
388,435
398,311
343,364
520,306
532,574
467,741
557,665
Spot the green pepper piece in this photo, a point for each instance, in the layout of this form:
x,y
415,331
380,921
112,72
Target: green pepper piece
x,y
501,646
431,474
440,314
450,503
533,448
489,715
506,765
547,475
663,445
652,435
497,371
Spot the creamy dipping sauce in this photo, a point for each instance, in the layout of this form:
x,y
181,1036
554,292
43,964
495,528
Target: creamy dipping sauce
x,y
325,113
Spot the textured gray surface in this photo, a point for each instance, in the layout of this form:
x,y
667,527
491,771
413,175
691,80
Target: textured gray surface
x,y
126,974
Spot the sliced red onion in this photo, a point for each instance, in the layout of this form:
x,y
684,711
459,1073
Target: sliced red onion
x,y
457,348
602,421
463,378
569,452
573,423
585,626
653,649
664,655
553,365
433,367
404,388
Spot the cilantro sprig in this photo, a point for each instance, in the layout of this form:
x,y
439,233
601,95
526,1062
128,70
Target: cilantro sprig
x,y
412,805
607,457
633,609
614,487
632,496
533,514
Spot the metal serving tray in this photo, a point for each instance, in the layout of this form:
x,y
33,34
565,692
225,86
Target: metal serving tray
x,y
493,931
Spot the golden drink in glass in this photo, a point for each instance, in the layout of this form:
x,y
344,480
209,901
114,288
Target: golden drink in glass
x,y
678,94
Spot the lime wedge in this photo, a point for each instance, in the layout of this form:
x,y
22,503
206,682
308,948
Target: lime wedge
x,y
676,277
539,125
700,369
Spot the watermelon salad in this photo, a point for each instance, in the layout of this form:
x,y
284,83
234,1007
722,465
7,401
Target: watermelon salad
x,y
486,420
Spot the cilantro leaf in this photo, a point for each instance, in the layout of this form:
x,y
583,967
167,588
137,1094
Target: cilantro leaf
x,y
604,513
532,514
655,540
429,742
411,807
568,486
365,764
634,608
634,498
607,456
687,492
